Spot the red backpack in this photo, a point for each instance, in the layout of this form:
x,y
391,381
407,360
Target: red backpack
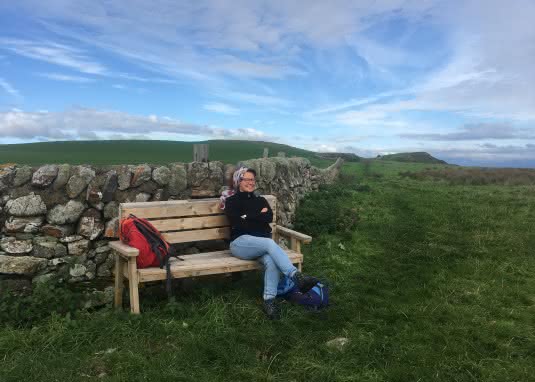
x,y
154,251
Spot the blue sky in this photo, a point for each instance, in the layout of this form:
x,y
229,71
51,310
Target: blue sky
x,y
453,78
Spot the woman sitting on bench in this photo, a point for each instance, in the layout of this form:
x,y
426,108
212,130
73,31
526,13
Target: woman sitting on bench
x,y
249,217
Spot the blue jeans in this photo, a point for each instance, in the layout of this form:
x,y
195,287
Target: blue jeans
x,y
267,252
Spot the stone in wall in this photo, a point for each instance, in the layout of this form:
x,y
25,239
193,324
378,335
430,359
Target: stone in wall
x,y
45,175
57,231
124,177
68,213
142,197
110,186
24,224
29,205
48,247
112,228
160,194
22,176
90,224
148,187
140,174
77,247
161,175
111,210
178,182
6,176
64,173
13,246
79,181
93,196
21,265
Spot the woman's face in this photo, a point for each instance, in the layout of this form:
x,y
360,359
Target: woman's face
x,y
248,182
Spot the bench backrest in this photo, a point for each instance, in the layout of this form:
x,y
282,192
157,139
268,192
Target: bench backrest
x,y
182,221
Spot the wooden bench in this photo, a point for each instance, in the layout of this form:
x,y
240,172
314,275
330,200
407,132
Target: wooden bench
x,y
182,221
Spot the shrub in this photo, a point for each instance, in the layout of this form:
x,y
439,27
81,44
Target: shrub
x,y
327,211
46,298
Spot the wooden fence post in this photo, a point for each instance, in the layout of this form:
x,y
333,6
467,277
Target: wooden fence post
x,y
266,152
200,152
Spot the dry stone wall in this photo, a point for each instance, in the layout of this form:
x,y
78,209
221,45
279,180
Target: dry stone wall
x,y
56,220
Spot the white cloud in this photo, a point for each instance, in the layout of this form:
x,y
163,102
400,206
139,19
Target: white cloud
x,y
6,86
54,53
477,132
66,78
221,108
255,99
100,124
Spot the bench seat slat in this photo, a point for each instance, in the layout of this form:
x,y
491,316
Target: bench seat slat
x,y
210,263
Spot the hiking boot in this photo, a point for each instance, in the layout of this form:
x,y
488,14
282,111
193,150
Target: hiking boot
x,y
272,309
304,283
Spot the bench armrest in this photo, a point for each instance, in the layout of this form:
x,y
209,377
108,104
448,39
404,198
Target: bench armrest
x,y
123,249
283,231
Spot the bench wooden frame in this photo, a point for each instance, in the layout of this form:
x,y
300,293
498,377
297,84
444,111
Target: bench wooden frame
x,y
182,221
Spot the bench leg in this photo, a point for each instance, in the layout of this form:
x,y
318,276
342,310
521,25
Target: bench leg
x,y
300,267
133,284
119,281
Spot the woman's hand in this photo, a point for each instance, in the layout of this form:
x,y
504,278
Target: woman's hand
x,y
264,210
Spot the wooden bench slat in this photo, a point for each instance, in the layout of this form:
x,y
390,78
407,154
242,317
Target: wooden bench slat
x,y
214,263
190,223
171,208
197,235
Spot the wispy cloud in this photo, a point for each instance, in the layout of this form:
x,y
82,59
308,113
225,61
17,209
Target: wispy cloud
x,y
6,86
255,99
66,78
221,108
132,77
54,53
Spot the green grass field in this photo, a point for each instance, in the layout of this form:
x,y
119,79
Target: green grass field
x,y
436,283
132,152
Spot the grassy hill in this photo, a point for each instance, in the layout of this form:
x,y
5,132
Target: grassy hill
x,y
429,281
416,157
161,152
135,151
348,157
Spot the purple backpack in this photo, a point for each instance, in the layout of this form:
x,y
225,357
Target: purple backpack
x,y
315,299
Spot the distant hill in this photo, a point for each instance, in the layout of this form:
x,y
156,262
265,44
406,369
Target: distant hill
x,y
348,157
417,157
138,151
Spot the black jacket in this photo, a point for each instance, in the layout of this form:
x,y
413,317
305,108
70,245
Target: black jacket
x,y
243,211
